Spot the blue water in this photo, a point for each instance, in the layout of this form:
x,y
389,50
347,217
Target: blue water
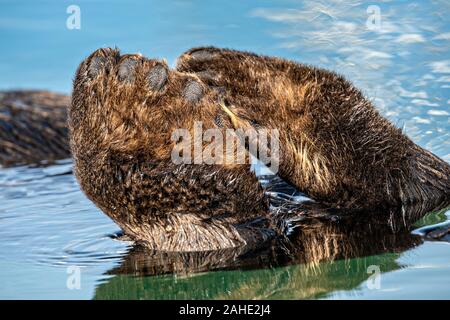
x,y
46,223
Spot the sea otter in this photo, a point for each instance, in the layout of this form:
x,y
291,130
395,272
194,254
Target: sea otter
x,y
334,145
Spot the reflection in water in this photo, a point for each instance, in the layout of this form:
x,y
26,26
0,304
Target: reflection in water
x,y
290,282
323,249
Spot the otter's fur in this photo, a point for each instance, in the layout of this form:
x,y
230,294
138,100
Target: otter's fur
x,y
123,112
33,127
335,146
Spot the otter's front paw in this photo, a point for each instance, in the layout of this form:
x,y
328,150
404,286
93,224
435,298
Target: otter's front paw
x,y
126,101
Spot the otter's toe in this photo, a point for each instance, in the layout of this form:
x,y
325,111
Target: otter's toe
x,y
138,70
126,71
203,53
100,62
193,91
201,61
96,66
157,77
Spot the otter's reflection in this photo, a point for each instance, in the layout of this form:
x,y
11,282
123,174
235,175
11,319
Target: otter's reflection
x,y
325,250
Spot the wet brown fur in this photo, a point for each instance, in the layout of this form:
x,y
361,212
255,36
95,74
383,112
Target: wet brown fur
x,y
33,127
121,143
335,146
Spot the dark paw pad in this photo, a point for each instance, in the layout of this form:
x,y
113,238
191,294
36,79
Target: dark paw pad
x,y
202,54
157,77
193,91
127,70
95,66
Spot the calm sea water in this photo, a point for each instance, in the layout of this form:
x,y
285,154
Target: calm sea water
x,y
50,233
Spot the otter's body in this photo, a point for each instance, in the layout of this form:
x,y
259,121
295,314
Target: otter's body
x,y
333,145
